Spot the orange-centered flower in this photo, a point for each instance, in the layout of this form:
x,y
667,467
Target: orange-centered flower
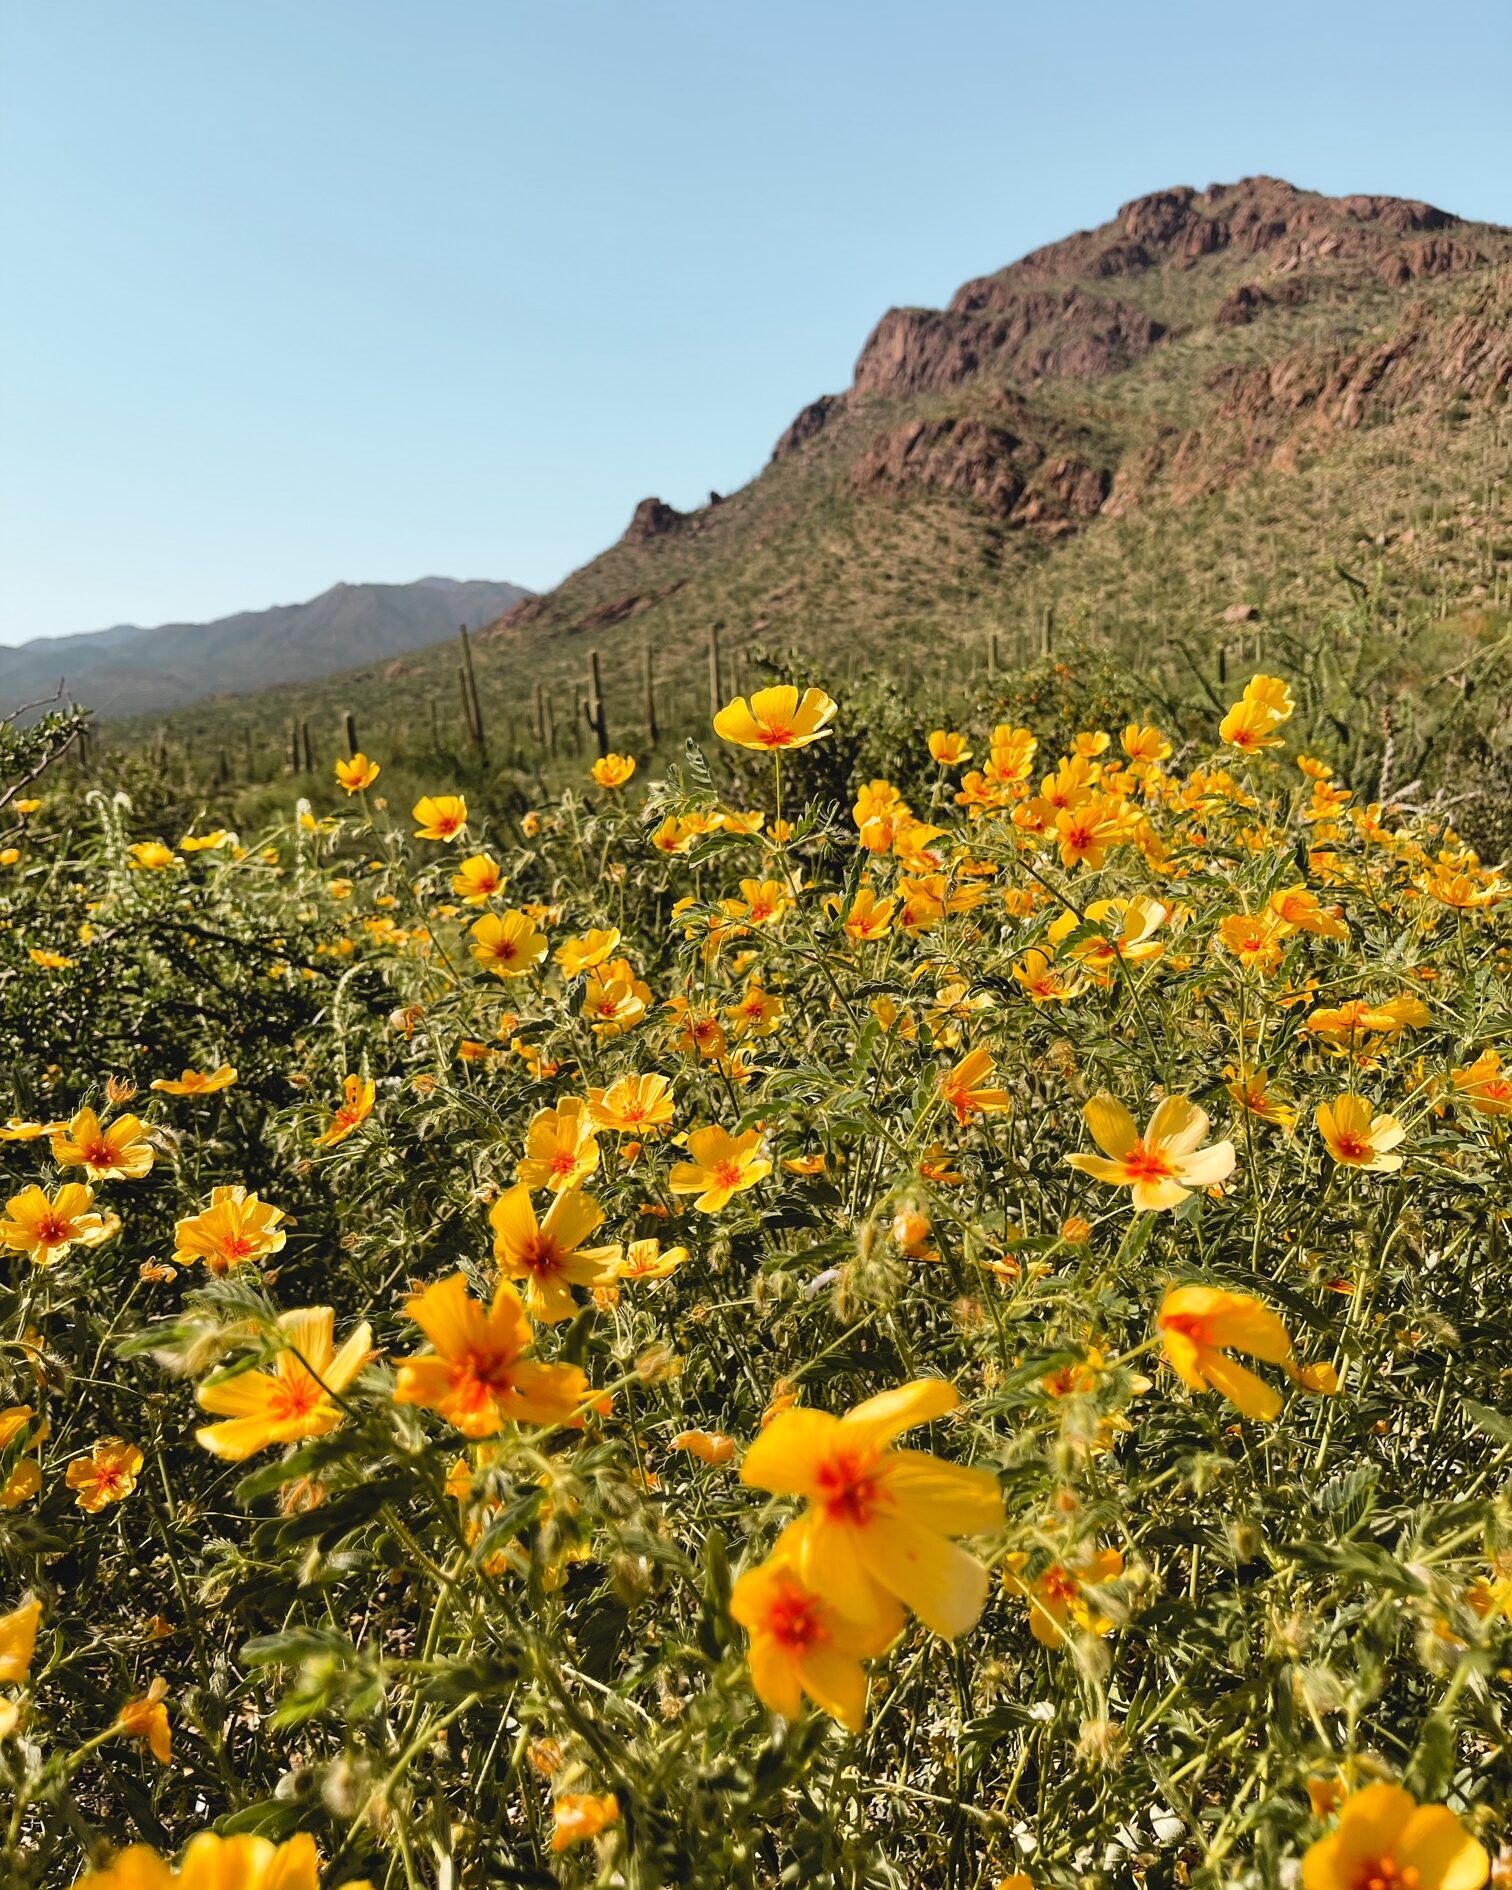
x,y
1386,1840
966,1087
549,1254
1484,1085
45,1228
1058,1596
107,1475
802,1644
878,1524
1163,1165
1200,1325
235,1228
633,1105
479,1375
358,1095
440,816
478,879
295,1397
722,1166
358,773
1357,1137
560,1150
776,718
119,1153
508,944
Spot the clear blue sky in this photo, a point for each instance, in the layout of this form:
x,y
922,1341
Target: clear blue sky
x,y
298,290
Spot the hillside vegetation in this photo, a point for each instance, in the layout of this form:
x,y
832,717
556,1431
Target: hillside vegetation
x,y
1252,400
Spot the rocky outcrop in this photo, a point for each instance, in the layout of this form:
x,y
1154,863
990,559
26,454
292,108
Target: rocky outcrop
x,y
653,519
986,464
1264,414
994,329
808,425
1000,472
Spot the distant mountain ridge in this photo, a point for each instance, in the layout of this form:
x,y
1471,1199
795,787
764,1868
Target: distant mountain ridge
x,y
131,670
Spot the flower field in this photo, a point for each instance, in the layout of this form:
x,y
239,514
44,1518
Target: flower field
x,y
738,1328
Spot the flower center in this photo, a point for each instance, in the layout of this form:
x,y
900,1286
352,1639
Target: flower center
x,y
849,1487
1056,1585
563,1162
98,1154
1385,1873
479,1377
52,1229
794,1621
541,1255
726,1174
1146,1164
294,1397
1350,1146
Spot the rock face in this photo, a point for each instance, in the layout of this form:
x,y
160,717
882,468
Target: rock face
x,y
1027,323
985,464
995,329
998,471
809,423
653,519
1039,399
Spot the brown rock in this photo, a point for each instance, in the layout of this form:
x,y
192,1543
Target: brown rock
x,y
653,519
994,328
985,464
808,425
1241,613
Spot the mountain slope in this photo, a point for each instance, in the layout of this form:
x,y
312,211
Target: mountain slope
x,y
128,670
1215,399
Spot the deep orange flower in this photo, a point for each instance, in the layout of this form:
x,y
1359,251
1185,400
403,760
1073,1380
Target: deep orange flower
x,y
775,718
147,1719
358,1096
197,1082
549,1254
107,1475
358,773
577,1816
120,1153
479,1375
877,1527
